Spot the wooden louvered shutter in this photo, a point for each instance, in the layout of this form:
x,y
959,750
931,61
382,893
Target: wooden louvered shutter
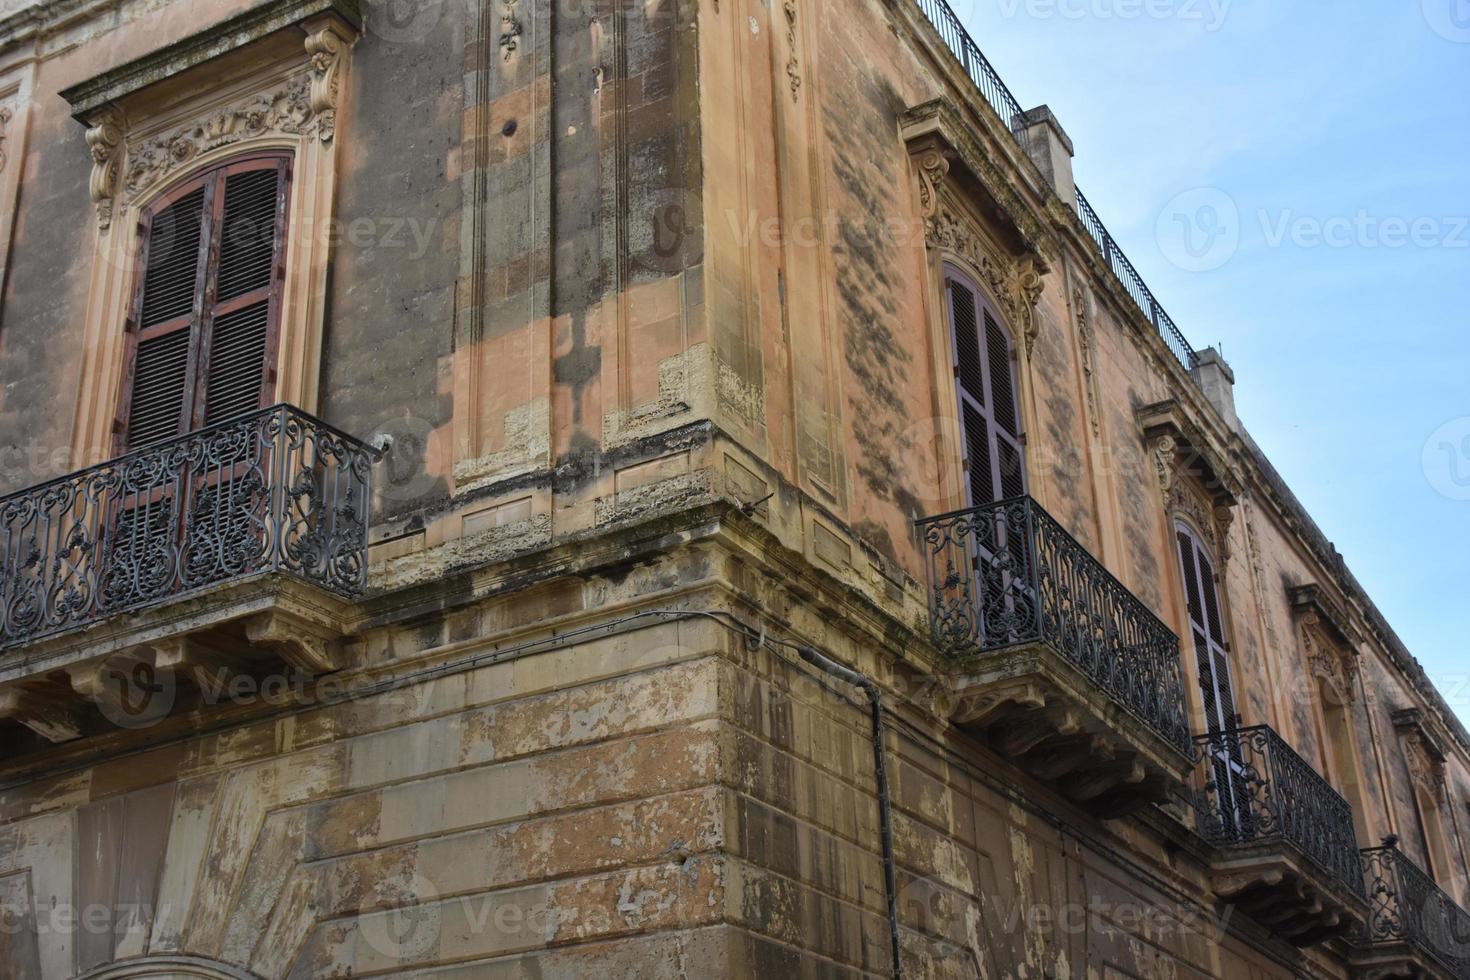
x,y
990,417
1207,630
157,396
203,324
244,292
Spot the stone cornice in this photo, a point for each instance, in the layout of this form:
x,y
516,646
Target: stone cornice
x,y
1169,427
94,95
1311,600
937,126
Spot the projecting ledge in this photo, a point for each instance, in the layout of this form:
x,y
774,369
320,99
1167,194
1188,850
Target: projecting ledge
x,y
1058,725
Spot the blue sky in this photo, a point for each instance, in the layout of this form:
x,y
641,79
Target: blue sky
x,y
1328,144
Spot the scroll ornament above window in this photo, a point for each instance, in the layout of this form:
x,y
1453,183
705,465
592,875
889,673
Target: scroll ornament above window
x,y
302,104
951,171
1330,641
1423,751
1196,478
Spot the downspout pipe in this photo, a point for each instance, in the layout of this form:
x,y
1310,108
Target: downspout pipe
x,y
880,771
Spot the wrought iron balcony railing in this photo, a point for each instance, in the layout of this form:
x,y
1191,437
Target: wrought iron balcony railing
x,y
1406,906
1253,788
988,82
273,490
1008,574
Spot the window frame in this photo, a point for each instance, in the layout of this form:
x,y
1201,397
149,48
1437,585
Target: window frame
x,y
206,308
1200,548
995,434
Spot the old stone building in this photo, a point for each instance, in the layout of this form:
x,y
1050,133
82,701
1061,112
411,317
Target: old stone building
x,y
677,488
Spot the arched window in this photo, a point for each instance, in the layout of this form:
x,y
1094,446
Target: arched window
x,y
203,324
167,968
1207,629
985,377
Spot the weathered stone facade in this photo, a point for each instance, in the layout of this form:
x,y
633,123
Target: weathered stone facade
x,y
649,298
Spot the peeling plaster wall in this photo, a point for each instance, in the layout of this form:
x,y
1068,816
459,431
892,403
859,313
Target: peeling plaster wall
x,y
671,254
387,349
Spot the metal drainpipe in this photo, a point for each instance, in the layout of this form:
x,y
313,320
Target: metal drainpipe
x,y
880,772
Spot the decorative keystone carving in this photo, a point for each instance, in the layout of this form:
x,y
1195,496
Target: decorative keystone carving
x,y
105,140
327,49
299,644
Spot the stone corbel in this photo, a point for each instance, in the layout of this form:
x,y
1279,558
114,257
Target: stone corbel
x,y
1030,284
932,168
106,137
327,43
299,643
52,718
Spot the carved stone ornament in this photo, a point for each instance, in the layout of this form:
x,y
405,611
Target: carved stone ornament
x,y
1030,283
933,168
1184,499
793,65
304,104
286,110
510,28
1425,768
1335,667
1085,344
1163,450
326,48
105,142
1015,286
5,116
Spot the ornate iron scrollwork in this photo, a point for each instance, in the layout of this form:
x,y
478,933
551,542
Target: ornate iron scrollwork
x,y
273,490
1007,574
1406,906
1255,788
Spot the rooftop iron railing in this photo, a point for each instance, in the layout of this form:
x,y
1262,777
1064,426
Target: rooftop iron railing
x,y
1008,574
1406,906
1253,788
272,490
988,82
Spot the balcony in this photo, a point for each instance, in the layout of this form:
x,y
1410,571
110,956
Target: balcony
x,y
1062,669
1288,851
236,543
1415,930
